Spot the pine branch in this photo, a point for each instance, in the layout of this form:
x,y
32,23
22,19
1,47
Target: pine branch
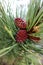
x,y
28,49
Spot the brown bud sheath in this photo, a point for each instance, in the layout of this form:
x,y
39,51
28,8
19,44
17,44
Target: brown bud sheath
x,y
35,39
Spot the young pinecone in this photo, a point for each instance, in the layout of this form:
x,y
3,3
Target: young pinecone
x,y
20,23
21,36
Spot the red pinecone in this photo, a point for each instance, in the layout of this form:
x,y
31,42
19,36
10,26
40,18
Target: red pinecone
x,y
20,23
21,36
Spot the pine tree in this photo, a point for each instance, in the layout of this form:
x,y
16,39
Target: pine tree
x,y
26,52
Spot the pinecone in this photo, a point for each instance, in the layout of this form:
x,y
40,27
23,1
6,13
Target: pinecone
x,y
20,23
21,35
